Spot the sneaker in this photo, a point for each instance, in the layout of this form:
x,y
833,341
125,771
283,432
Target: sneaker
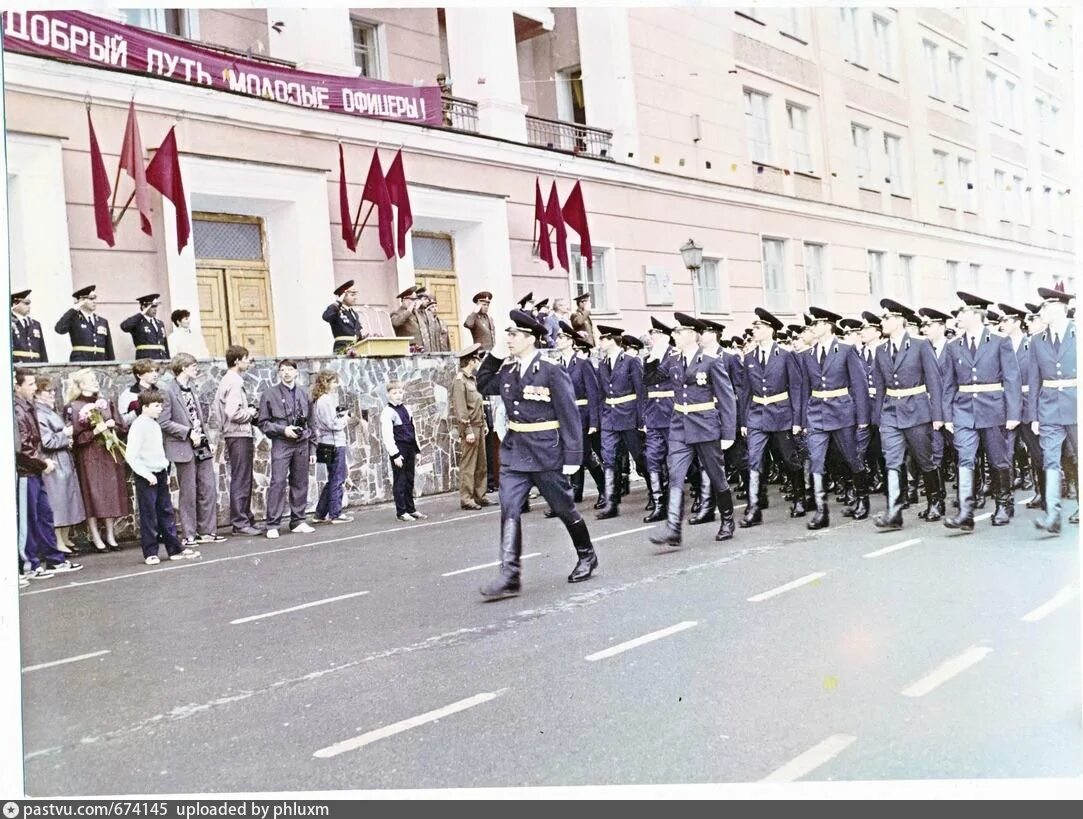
x,y
247,530
23,582
187,554
212,538
40,573
272,533
318,520
343,519
188,541
302,528
67,566
407,517
153,560
419,516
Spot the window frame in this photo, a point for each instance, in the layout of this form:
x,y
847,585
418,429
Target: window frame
x,y
896,175
854,46
606,254
866,149
966,193
1000,189
751,97
958,78
722,285
941,167
951,272
824,293
379,46
805,136
992,96
880,256
907,274
931,51
884,46
775,300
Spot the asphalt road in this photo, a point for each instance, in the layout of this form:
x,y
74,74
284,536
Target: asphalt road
x,y
363,657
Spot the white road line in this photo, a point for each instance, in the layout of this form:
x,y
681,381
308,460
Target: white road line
x,y
66,660
811,759
295,608
404,725
248,555
946,670
638,641
620,534
485,566
1059,599
889,549
986,516
793,584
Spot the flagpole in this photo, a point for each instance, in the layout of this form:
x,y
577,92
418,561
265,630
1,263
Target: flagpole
x,y
357,233
116,184
122,211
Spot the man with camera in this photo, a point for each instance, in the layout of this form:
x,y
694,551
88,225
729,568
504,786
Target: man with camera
x,y
235,416
283,417
185,431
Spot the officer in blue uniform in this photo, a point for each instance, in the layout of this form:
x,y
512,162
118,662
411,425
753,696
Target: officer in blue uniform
x,y
736,456
27,342
542,447
656,412
771,408
147,330
89,332
934,328
345,323
1011,327
1052,396
620,376
983,401
908,407
835,397
868,438
704,425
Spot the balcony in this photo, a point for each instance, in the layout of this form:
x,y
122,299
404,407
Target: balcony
x,y
570,137
460,114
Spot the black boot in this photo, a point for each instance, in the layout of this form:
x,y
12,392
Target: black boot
x,y
724,500
752,516
695,476
588,560
861,490
706,502
1038,501
934,497
597,474
798,509
658,512
511,548
671,532
762,501
1002,492
611,507
822,518
1051,520
965,519
891,519
578,481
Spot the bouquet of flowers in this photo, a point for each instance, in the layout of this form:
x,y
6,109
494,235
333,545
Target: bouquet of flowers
x,y
91,414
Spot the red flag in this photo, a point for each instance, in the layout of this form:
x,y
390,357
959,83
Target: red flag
x,y
545,250
376,192
575,217
100,180
555,218
344,204
400,198
131,160
164,174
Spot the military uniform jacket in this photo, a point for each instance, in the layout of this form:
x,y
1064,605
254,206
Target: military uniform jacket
x,y
913,367
772,398
993,363
1022,356
27,342
841,370
704,404
148,336
622,392
868,358
467,404
345,325
735,369
1053,403
657,407
581,320
481,329
90,337
406,325
588,396
541,396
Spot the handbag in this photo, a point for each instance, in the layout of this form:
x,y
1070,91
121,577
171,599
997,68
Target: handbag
x,y
326,453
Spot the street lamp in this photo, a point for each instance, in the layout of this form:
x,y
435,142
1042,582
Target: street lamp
x,y
692,256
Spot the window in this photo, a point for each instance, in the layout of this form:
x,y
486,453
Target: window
x,y
860,136
1047,208
851,35
1019,202
1043,123
884,38
1049,46
759,126
571,104
709,286
1001,195
168,21
952,270
1054,132
975,278
958,79
876,274
895,170
1010,283
991,96
1035,32
1027,286
793,22
800,153
940,170
909,280
966,184
591,281
1064,215
366,44
815,284
776,293
932,67
1011,103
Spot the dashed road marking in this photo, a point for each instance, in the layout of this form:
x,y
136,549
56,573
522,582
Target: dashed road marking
x,y
813,758
793,584
639,641
481,566
265,615
66,660
946,670
889,549
1065,595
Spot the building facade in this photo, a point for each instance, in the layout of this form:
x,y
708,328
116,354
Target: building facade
x,y
819,155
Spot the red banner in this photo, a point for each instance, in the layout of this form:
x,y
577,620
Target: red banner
x,y
85,39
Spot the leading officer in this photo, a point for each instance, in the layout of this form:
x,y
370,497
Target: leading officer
x,y
345,323
89,332
147,330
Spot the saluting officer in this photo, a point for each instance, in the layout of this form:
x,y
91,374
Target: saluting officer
x,y
89,332
620,376
404,318
543,444
1053,402
480,323
836,403
1011,325
657,412
772,409
345,323
581,321
704,425
147,330
983,401
27,342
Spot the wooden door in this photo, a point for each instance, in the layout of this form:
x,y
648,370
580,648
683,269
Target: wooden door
x,y
213,315
250,310
445,290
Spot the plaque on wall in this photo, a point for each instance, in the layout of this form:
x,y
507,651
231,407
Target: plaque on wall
x,y
658,283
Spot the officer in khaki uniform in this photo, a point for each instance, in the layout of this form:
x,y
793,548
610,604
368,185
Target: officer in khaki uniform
x,y
468,415
404,318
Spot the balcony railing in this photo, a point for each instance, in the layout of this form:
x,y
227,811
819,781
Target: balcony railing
x,y
460,114
569,136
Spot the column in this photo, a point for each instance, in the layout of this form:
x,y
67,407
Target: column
x,y
605,56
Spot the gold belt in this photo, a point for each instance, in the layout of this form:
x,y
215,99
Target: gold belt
x,y
623,399
903,393
660,394
1059,382
150,346
537,426
770,399
981,387
24,354
687,408
830,393
88,349
581,402
345,338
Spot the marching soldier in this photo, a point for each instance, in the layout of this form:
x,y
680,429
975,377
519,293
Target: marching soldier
x,y
469,418
704,425
772,409
1053,404
908,407
581,321
868,439
89,332
934,326
620,377
984,396
543,445
836,403
405,320
345,323
147,330
657,412
480,323
27,342
1012,327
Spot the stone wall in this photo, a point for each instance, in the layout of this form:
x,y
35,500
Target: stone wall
x,y
427,379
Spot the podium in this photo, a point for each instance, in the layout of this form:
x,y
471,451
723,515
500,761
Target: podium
x,y
382,347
